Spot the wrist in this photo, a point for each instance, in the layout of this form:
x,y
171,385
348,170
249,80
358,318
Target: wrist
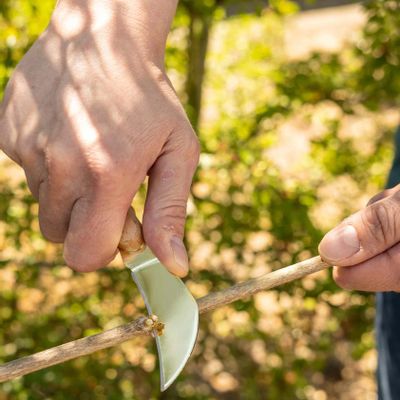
x,y
139,26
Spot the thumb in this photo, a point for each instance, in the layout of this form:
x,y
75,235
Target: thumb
x,y
164,216
365,234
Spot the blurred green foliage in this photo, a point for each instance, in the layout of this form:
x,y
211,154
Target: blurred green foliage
x,y
290,147
379,52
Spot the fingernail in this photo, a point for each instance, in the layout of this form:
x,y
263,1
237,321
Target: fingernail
x,y
180,254
340,243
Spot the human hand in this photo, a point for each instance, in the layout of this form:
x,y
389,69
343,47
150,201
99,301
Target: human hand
x,y
88,113
366,246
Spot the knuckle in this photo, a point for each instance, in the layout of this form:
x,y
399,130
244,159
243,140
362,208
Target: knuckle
x,y
61,160
92,166
170,208
59,153
175,210
380,219
168,219
193,145
102,171
189,145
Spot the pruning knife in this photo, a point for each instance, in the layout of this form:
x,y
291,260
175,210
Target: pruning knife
x,y
165,296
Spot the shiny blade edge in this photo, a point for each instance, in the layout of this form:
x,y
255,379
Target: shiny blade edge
x,y
135,272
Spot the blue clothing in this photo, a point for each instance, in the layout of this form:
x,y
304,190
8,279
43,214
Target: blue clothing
x,y
388,320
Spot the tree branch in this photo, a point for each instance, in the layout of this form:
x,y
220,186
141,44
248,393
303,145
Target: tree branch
x,y
150,326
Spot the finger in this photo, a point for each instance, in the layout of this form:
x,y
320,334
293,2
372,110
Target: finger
x,y
61,183
34,168
34,161
56,199
378,274
35,176
365,234
94,231
165,209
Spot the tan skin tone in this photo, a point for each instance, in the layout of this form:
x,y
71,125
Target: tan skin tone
x,y
88,114
366,246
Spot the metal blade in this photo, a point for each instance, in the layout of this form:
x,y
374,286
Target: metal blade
x,y
166,296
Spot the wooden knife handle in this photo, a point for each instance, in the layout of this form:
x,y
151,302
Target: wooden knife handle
x,y
132,241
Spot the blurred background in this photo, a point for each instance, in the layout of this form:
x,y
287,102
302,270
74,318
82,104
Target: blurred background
x,y
295,104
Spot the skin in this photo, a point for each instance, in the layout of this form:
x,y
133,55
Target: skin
x,y
366,246
90,112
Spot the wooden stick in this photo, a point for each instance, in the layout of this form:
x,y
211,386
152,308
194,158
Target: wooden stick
x,y
75,349
263,282
146,326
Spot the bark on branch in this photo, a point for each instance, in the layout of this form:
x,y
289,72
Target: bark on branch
x,y
148,326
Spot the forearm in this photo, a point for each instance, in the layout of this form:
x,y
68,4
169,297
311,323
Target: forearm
x,y
142,23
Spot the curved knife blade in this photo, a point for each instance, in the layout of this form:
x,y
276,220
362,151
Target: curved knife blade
x,y
166,296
